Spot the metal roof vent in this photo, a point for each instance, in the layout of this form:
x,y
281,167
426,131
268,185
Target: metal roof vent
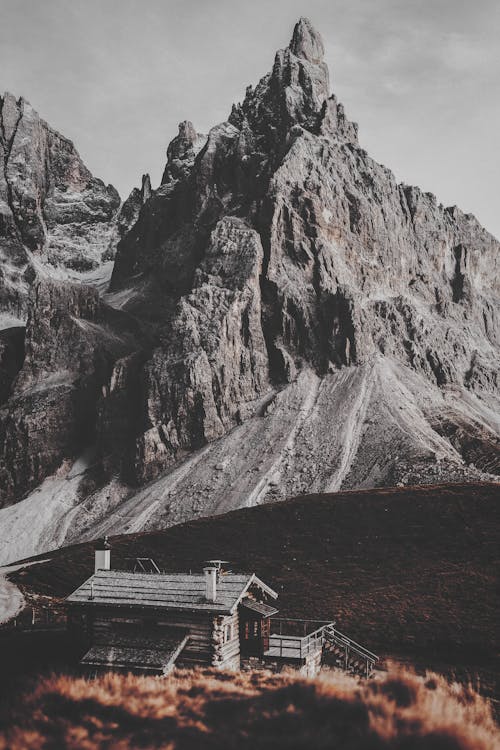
x,y
102,555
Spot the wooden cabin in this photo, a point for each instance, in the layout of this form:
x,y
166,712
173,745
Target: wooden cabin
x,y
144,621
148,622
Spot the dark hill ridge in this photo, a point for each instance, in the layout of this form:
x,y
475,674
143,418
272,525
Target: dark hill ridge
x,y
410,572
307,325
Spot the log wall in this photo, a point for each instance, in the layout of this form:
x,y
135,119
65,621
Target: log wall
x,y
226,651
213,640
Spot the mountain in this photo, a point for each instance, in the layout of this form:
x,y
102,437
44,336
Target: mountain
x,y
283,317
282,248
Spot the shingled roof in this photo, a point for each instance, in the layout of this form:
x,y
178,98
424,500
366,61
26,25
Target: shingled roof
x,y
164,591
158,660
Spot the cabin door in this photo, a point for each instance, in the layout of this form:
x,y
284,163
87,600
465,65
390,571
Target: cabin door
x,y
254,635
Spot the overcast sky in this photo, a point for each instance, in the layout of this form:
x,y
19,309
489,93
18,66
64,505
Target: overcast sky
x,y
421,77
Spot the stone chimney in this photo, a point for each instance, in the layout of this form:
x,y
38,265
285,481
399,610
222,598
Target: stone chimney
x,y
102,555
211,573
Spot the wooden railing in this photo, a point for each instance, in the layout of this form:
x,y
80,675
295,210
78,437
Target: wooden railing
x,y
332,634
297,646
282,645
294,626
35,619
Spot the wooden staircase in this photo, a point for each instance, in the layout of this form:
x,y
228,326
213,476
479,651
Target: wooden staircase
x,y
346,654
335,648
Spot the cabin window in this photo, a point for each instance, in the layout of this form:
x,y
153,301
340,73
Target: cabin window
x,y
228,633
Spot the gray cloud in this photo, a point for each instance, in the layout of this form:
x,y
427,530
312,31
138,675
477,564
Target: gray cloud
x,y
420,76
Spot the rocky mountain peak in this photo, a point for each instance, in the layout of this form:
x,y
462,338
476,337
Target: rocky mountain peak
x,y
146,189
55,216
11,109
181,152
294,93
187,132
306,42
128,214
331,223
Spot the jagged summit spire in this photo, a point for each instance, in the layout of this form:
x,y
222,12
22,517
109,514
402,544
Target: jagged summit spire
x,y
187,131
306,42
181,151
146,187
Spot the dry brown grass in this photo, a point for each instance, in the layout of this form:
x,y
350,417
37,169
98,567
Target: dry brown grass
x,y
206,709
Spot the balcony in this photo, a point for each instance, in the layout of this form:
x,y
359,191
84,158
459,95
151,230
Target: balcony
x,y
296,639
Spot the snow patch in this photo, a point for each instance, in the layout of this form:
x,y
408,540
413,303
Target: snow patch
x,y
10,321
11,599
121,298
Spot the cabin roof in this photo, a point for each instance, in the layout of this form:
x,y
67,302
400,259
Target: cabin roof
x,y
262,609
165,591
127,657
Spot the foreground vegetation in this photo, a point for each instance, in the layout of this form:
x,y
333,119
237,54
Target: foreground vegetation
x,y
207,709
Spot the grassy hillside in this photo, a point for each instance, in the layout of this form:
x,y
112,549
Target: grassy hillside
x,y
401,570
204,709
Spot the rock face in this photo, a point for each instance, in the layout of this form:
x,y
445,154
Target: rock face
x,y
11,358
128,215
214,360
353,265
72,341
291,320
55,217
56,222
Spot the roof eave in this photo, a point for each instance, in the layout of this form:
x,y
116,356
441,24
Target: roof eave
x,y
268,590
253,579
127,605
68,598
